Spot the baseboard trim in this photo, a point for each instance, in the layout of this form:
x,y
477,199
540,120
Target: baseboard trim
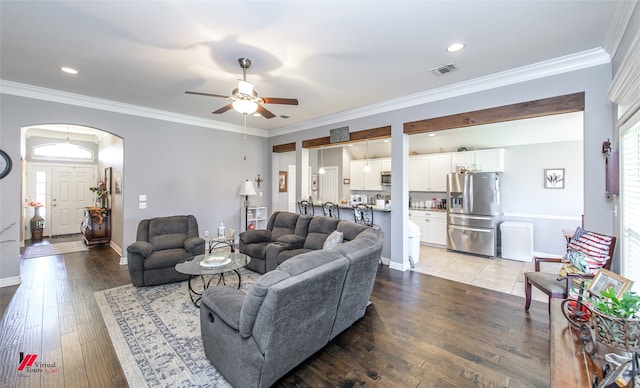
x,y
11,281
399,266
123,260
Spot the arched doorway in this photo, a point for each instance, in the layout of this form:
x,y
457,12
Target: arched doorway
x,y
61,163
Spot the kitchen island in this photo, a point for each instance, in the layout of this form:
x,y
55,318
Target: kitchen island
x,y
381,218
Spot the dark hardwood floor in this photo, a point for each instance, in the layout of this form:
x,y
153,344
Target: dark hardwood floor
x,y
420,331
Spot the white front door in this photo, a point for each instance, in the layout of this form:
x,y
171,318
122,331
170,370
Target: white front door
x,y
69,196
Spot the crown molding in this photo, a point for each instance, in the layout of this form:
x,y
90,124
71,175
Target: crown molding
x,y
565,64
39,93
622,13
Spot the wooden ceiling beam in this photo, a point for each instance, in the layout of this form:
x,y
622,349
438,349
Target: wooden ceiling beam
x,y
354,137
284,147
524,110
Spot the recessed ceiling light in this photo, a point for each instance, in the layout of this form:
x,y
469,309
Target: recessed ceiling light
x,y
455,47
69,70
350,145
385,141
431,134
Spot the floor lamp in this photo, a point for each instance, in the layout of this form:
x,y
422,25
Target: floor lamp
x,y
246,189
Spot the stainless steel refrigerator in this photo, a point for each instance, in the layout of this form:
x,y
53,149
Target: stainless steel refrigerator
x,y
473,214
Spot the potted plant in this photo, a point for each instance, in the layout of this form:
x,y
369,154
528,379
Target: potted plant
x,y
100,191
617,321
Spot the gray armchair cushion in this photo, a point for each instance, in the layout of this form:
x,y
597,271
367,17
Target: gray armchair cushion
x,y
168,241
255,236
292,239
319,228
226,303
285,223
194,245
140,247
255,297
350,229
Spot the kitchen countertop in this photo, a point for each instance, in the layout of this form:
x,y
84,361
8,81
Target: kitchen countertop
x,y
345,206
428,209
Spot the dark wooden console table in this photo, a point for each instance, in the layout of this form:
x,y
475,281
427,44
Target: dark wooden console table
x,y
570,365
96,226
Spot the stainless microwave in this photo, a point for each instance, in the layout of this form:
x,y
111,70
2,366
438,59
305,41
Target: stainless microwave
x,y
385,178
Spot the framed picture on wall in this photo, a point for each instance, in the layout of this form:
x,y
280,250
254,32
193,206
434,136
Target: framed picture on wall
x,y
107,178
117,182
554,178
282,181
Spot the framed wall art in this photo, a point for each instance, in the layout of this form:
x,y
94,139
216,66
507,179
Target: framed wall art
x,y
282,181
606,279
554,178
107,178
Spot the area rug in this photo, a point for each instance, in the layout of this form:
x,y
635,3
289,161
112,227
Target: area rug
x,y
40,250
156,334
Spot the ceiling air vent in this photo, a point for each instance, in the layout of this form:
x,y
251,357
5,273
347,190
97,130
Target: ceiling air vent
x,y
442,70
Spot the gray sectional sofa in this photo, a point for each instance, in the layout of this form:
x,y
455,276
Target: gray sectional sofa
x,y
292,311
291,234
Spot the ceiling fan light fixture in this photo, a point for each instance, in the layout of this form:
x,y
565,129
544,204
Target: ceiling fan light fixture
x,y
245,106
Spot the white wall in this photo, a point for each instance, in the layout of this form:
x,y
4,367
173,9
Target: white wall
x,y
524,197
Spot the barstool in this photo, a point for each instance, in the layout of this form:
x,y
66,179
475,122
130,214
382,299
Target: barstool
x,y
305,207
363,214
331,209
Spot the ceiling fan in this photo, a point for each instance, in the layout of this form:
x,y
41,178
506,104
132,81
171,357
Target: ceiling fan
x,y
245,99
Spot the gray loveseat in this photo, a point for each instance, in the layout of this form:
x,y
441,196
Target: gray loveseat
x,y
290,234
161,243
291,312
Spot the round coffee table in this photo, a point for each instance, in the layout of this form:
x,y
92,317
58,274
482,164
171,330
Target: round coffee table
x,y
193,268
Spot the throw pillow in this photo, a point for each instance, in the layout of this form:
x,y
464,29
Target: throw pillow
x,y
333,240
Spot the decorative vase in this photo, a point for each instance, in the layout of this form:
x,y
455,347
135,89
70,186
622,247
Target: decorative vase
x,y
37,225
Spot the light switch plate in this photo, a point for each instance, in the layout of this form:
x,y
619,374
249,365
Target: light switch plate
x,y
142,205
142,197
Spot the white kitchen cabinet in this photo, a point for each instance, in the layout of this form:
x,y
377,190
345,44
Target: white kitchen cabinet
x,y
361,180
418,173
439,167
433,226
490,160
464,158
429,172
372,178
385,164
357,175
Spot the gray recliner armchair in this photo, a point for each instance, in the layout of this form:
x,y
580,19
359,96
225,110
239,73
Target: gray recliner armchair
x,y
161,243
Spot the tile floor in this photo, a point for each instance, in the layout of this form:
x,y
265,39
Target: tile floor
x,y
495,274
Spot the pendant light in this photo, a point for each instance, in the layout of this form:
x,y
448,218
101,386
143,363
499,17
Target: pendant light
x,y
321,170
367,168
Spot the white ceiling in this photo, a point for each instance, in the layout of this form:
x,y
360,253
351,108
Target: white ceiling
x,y
331,56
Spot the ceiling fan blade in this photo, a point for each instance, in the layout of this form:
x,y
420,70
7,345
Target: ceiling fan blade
x,y
206,94
223,109
265,113
283,101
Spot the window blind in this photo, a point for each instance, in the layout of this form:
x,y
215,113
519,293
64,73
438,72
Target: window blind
x,y
630,257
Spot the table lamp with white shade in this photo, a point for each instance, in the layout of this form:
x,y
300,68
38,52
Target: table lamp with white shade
x,y
246,189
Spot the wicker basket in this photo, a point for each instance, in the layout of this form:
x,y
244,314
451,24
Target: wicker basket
x,y
617,332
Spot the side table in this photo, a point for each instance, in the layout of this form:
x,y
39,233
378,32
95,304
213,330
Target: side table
x,y
216,241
